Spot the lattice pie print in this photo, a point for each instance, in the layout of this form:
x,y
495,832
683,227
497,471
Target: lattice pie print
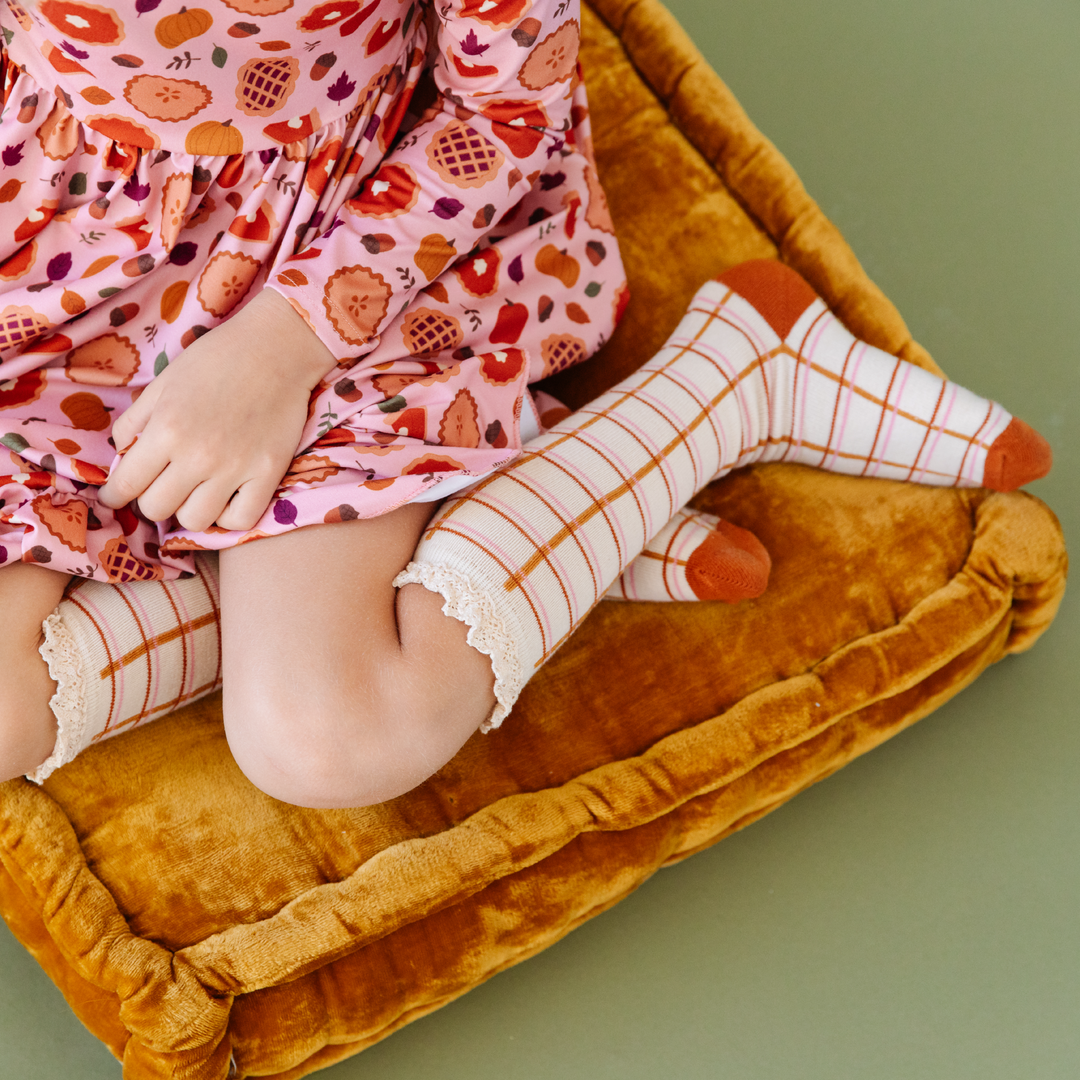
x,y
120,563
428,332
462,156
19,325
264,85
560,351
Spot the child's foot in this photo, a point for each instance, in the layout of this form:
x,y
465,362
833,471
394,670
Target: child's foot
x,y
840,404
696,556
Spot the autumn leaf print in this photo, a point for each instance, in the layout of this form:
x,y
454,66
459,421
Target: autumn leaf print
x,y
447,208
59,266
284,512
143,6
219,57
471,45
12,155
341,88
136,191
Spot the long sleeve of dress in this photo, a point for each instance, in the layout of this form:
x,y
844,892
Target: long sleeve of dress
x,y
506,73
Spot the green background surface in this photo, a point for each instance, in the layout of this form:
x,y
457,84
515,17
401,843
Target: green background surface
x,y
915,916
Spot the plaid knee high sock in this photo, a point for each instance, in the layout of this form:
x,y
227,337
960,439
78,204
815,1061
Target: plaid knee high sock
x,y
757,370
123,655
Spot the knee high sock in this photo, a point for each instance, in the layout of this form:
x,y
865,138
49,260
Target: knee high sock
x,y
123,655
757,370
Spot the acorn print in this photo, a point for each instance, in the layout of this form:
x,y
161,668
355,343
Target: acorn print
x,y
323,65
526,32
27,108
242,30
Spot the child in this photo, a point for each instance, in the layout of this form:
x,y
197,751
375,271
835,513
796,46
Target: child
x,y
266,226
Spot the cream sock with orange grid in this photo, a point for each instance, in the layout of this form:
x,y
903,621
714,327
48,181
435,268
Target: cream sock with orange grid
x,y
757,370
123,655
696,556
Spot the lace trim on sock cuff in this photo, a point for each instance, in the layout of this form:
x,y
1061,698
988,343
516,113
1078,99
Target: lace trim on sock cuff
x,y
61,653
487,631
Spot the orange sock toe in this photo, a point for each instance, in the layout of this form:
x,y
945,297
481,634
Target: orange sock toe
x,y
1016,457
731,564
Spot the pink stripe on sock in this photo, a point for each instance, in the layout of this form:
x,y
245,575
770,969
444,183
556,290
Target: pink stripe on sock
x,y
847,405
116,671
805,358
735,381
590,554
133,597
667,471
892,422
940,431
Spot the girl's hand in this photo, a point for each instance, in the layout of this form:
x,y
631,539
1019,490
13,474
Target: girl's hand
x,y
218,428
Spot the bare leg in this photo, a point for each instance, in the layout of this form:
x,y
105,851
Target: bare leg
x,y
339,690
28,595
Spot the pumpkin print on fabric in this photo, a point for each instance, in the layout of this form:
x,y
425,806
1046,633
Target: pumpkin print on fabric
x,y
67,521
554,60
167,99
460,155
84,22
356,301
225,281
109,360
215,139
173,30
264,85
427,332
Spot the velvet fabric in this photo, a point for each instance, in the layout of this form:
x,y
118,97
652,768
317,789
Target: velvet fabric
x,y
202,930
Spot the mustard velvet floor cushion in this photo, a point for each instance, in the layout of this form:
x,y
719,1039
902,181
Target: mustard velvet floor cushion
x,y
202,930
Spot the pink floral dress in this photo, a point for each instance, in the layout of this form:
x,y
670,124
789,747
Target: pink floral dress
x,y
415,178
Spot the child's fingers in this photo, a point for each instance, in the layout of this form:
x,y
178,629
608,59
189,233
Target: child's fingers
x,y
247,505
133,419
134,474
201,508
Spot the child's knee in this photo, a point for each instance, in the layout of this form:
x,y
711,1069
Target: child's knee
x,y
347,749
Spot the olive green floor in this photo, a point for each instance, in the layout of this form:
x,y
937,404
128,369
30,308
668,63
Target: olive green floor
x,y
915,916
